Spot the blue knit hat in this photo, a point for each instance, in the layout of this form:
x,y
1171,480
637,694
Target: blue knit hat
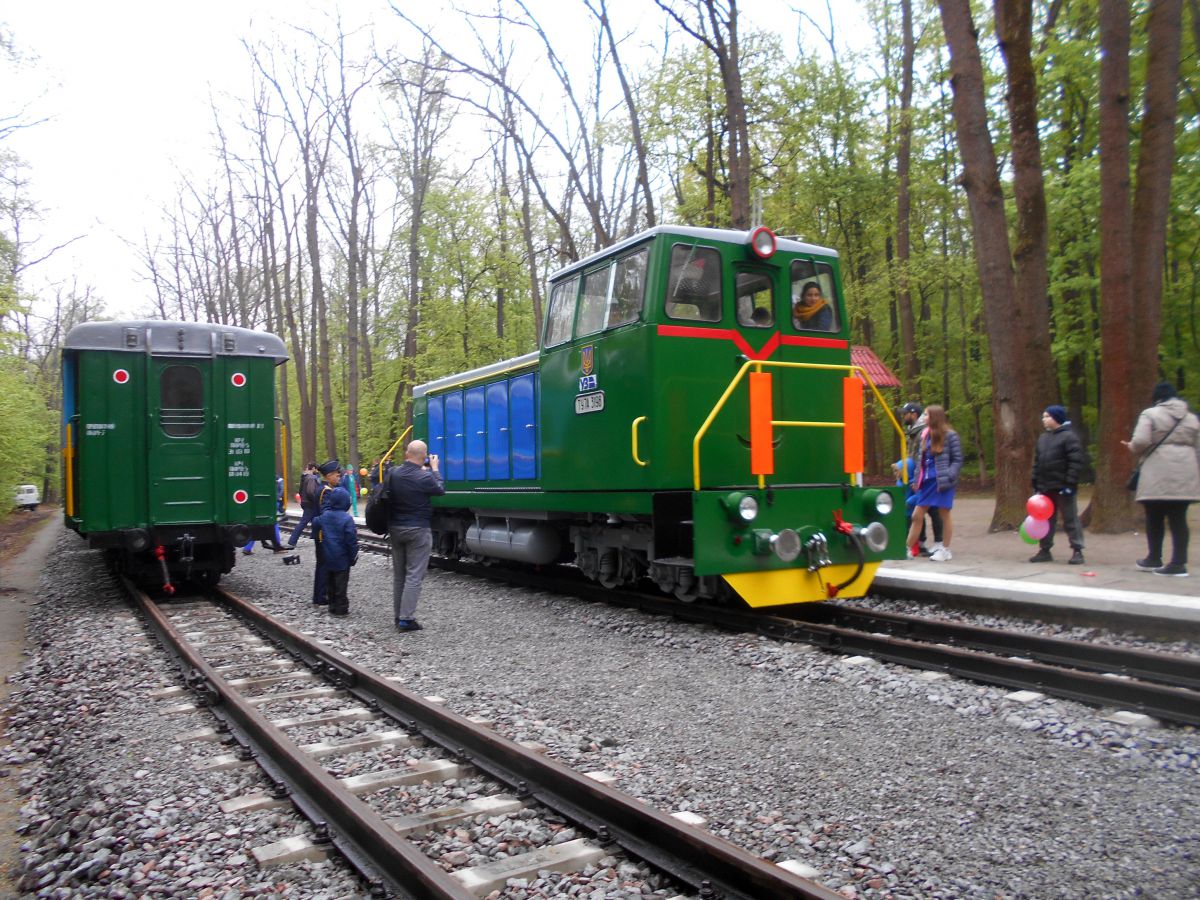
x,y
1057,413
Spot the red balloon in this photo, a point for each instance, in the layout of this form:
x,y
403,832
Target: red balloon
x,y
297,498
1039,506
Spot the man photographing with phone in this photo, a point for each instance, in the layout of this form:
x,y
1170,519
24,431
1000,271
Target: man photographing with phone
x,y
410,485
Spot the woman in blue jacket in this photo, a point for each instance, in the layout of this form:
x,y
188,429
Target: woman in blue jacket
x,y
941,460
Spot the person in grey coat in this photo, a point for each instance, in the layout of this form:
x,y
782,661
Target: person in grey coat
x,y
1166,442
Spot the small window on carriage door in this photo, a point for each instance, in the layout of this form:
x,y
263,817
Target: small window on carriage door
x,y
181,403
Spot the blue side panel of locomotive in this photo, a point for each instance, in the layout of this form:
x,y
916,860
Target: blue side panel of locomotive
x,y
522,405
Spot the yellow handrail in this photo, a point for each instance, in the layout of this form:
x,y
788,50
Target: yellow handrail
x,y
634,428
759,364
387,455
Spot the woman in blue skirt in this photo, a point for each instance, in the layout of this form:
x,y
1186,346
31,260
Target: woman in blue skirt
x,y
941,459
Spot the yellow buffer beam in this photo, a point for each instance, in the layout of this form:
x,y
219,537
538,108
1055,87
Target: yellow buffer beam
x,y
780,587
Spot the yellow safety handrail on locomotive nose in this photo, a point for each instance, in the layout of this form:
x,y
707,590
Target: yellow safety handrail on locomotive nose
x,y
392,449
634,429
778,364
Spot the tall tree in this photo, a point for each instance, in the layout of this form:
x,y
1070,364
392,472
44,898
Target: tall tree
x,y
1018,351
715,25
1129,269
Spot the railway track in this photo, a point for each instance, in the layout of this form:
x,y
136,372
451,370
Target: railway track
x,y
249,669
1163,685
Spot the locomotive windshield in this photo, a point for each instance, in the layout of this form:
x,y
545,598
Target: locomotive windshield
x,y
755,300
814,301
694,291
181,404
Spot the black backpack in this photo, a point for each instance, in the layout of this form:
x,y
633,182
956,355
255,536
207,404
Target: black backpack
x,y
310,492
379,507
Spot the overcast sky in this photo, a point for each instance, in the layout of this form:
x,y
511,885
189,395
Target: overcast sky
x,y
125,88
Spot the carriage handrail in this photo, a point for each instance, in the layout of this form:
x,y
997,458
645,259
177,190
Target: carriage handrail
x,y
391,449
759,364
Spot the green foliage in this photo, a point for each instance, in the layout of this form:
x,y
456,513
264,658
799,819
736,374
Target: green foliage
x,y
27,427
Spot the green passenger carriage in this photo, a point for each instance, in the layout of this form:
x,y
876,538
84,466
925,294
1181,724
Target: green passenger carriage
x,y
685,420
168,438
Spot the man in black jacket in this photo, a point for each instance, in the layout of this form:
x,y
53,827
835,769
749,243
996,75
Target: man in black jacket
x,y
1057,464
410,485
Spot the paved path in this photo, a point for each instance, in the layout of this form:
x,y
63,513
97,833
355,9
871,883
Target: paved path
x,y
1110,557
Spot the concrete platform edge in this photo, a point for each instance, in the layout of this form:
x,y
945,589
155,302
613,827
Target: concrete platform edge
x,y
1136,604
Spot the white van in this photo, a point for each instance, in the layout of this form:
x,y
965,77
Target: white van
x,y
27,497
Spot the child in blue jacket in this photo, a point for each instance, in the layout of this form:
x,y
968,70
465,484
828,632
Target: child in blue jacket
x,y
339,543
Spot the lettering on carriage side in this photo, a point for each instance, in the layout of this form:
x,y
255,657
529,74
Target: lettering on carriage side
x,y
246,426
589,403
239,447
98,429
588,383
239,469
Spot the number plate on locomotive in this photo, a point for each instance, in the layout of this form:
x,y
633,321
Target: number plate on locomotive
x,y
588,403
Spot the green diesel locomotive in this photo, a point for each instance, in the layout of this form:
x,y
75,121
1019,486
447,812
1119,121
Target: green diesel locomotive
x,y
692,417
168,442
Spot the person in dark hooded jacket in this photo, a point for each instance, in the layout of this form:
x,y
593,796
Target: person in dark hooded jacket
x,y
339,544
1057,464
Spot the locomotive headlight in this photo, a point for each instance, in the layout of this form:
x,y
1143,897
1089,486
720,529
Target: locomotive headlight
x,y
762,242
879,502
740,507
136,539
875,536
786,545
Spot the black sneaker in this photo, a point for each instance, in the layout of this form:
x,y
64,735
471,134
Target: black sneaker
x,y
925,551
320,603
1042,556
408,625
338,611
1148,564
1076,559
1174,569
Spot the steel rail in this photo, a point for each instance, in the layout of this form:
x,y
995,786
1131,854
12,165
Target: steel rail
x,y
690,854
1167,701
360,833
1166,668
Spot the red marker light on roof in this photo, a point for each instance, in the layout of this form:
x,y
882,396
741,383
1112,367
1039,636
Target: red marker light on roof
x,y
238,379
762,242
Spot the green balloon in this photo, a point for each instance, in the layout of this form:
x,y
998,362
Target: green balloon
x,y
362,492
1025,536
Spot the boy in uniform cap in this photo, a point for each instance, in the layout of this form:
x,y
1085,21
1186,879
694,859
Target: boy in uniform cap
x,y
1057,465
331,472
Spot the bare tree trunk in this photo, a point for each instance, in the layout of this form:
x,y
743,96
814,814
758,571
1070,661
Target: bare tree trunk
x,y
1129,331
912,367
1008,324
717,29
1152,196
1014,24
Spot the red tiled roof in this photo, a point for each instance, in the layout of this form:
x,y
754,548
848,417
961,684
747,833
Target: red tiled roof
x,y
874,366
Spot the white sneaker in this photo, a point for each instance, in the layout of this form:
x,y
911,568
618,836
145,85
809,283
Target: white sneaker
x,y
941,554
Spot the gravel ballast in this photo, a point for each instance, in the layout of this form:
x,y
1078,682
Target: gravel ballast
x,y
887,782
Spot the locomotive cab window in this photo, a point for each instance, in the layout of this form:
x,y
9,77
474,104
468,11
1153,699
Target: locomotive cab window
x,y
613,295
755,301
593,301
814,299
562,312
628,289
181,401
694,289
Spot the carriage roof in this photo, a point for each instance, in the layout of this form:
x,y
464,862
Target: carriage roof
x,y
159,338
